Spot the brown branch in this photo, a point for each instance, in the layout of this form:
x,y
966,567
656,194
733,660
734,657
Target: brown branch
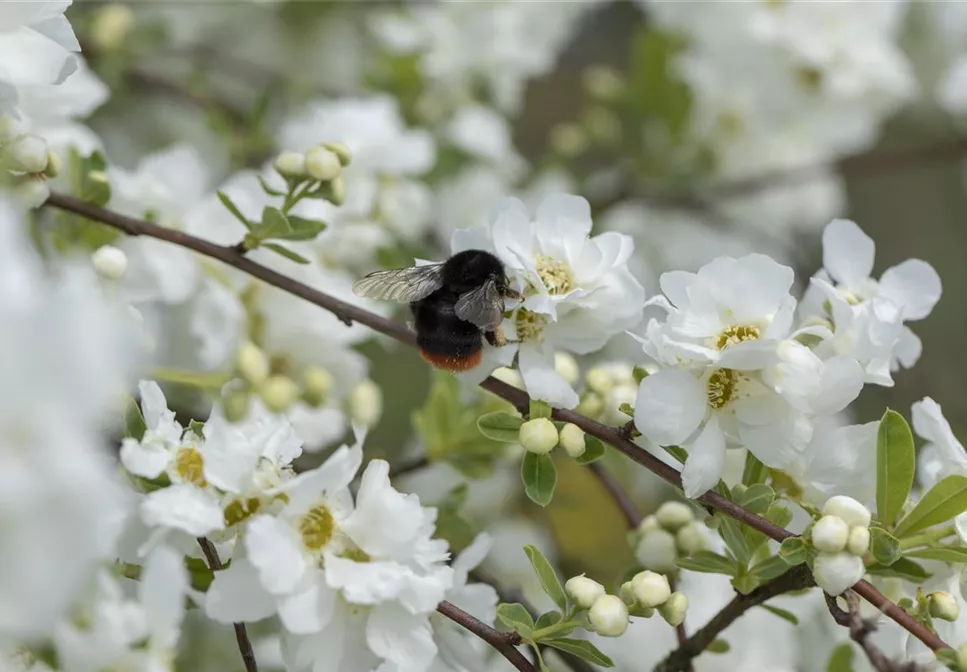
x,y
860,631
349,313
504,642
241,635
795,579
398,471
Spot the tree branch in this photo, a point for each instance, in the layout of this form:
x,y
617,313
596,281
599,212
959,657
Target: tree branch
x,y
504,642
795,579
349,313
618,494
241,635
860,631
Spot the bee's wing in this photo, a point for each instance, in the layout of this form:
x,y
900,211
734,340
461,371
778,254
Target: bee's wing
x,y
401,284
483,306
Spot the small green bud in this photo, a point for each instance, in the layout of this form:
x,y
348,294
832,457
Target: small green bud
x,y
538,436
674,515
252,363
572,440
318,385
278,393
235,405
673,611
341,151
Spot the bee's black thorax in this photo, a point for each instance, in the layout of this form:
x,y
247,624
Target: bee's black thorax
x,y
471,268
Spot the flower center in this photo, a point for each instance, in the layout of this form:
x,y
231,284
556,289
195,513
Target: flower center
x,y
189,466
810,78
721,387
317,527
556,275
734,335
240,510
529,325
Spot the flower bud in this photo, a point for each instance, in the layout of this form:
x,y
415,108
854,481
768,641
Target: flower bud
x,y
830,534
651,589
110,262
836,572
859,540
608,616
673,611
962,655
691,539
648,523
54,164
318,385
252,363
572,440
29,153
656,551
566,367
10,127
943,605
847,508
278,393
674,515
322,164
235,405
590,405
290,164
509,376
603,83
111,26
98,176
583,591
599,380
341,151
337,191
31,191
568,139
538,435
366,403
627,594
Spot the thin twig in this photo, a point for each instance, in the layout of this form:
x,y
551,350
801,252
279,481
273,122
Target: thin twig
x,y
618,494
409,467
795,579
860,631
504,642
349,313
241,635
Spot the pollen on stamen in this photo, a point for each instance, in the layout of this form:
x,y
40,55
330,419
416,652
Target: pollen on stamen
x,y
556,275
189,465
721,387
737,334
317,527
529,325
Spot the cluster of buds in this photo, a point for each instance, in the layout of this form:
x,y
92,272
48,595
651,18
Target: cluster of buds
x,y
609,388
27,162
322,164
607,614
278,392
541,435
841,537
671,532
649,591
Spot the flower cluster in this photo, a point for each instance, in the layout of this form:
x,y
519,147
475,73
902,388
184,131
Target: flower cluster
x,y
841,537
663,536
735,368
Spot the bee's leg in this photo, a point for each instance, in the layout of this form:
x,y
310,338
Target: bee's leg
x,y
497,339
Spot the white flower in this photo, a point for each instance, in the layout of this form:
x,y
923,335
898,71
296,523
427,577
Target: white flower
x,y
830,534
64,372
943,455
583,591
609,616
579,292
835,572
124,634
839,460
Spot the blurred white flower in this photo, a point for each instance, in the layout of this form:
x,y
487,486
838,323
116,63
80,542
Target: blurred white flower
x,y
943,455
578,290
68,356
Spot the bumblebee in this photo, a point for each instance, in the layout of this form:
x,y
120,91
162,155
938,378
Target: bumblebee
x,y
456,304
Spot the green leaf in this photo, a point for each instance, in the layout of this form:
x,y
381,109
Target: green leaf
x,y
580,648
593,450
267,189
901,569
515,616
274,224
540,478
677,452
718,646
134,424
895,464
500,426
549,581
301,229
779,515
757,498
287,253
944,501
627,409
197,428
952,554
708,562
793,551
539,409
548,618
232,208
885,547
950,658
199,574
754,471
732,535
781,613
639,373
841,659
770,568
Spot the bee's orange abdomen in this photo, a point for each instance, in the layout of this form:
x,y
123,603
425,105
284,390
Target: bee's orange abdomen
x,y
452,363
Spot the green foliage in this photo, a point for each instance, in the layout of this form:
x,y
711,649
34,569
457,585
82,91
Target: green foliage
x,y
580,648
656,94
450,523
903,568
708,563
500,426
895,464
547,619
841,659
942,502
134,424
548,578
781,613
951,554
516,617
756,498
539,476
197,428
754,471
593,450
539,409
87,177
769,568
718,646
885,547
793,551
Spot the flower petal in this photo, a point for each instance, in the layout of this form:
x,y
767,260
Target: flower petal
x,y
275,550
310,608
848,252
841,383
333,475
914,285
670,406
385,522
144,459
749,355
401,638
237,596
183,507
706,459
929,422
542,381
162,589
